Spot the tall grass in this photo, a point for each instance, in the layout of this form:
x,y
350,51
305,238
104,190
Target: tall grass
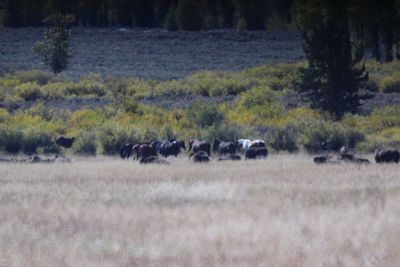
x,y
282,211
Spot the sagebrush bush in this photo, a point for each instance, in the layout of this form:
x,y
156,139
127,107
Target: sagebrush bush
x,y
329,136
11,138
390,84
36,140
31,76
283,138
85,143
223,132
111,137
205,115
29,91
87,119
217,84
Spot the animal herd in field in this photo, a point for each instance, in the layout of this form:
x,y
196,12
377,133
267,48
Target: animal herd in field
x,y
388,155
199,150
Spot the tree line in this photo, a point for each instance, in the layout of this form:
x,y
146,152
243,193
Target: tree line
x,y
147,13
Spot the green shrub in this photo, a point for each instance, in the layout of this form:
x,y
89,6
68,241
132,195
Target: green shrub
x,y
224,132
10,138
205,115
390,84
32,76
37,140
217,84
29,91
85,143
330,136
283,138
111,137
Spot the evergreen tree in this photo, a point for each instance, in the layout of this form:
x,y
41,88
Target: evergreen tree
x,y
54,49
332,81
189,16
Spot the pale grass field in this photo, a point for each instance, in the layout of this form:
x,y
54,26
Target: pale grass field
x,y
283,211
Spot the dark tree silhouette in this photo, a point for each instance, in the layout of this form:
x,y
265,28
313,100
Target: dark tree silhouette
x,y
332,81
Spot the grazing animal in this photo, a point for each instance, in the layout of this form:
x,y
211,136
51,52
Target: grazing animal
x,y
65,141
258,143
156,144
172,148
321,159
224,147
346,157
244,144
199,157
387,156
255,152
230,157
153,159
146,151
197,145
126,151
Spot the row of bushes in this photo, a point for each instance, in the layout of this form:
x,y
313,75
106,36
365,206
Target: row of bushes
x,y
108,135
32,85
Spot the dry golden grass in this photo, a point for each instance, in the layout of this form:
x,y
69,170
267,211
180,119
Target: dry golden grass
x,y
283,211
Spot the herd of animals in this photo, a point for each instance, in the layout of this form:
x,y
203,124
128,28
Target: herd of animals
x,y
200,151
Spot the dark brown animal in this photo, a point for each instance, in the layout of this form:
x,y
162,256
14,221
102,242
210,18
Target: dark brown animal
x,y
126,151
256,152
224,148
387,156
146,151
199,157
197,146
172,148
65,141
321,159
153,159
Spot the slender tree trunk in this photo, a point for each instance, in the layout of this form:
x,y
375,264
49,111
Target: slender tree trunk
x,y
374,35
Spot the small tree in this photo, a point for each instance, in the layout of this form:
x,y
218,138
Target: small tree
x,y
54,48
332,82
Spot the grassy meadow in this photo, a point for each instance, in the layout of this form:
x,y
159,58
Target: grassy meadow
x,y
282,211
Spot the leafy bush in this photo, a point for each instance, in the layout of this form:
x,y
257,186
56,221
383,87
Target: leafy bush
x,y
217,84
29,91
86,119
283,138
32,76
111,137
225,132
330,136
38,140
205,115
85,144
10,138
390,84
